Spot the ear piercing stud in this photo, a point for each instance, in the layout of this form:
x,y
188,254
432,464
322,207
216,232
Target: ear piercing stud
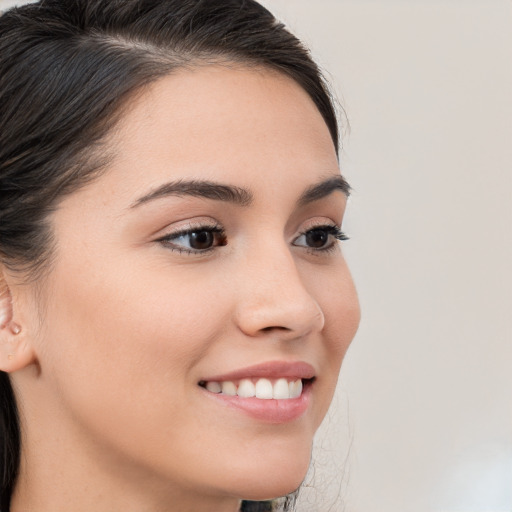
x,y
16,329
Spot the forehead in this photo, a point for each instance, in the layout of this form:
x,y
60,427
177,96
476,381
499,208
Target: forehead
x,y
220,122
245,127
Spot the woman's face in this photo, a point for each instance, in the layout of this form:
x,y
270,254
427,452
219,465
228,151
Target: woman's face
x,y
205,257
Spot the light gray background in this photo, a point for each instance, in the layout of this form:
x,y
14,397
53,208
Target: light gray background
x,y
423,417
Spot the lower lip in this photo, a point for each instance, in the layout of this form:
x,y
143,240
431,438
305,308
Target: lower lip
x,y
269,411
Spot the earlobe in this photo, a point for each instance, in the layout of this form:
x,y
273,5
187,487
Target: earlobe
x,y
15,351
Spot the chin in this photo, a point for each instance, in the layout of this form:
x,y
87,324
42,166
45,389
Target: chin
x,y
269,490
274,477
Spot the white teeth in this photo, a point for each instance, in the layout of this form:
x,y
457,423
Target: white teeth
x,y
295,389
264,389
228,388
281,389
214,387
246,389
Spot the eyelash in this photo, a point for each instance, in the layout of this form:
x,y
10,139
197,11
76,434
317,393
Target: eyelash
x,y
220,233
216,230
332,231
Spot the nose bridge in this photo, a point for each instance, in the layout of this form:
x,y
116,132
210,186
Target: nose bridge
x,y
274,295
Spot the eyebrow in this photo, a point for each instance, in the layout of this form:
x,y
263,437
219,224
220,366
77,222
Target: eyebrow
x,y
237,195
196,188
323,189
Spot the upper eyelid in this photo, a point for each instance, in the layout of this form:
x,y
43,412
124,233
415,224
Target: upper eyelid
x,y
212,224
333,228
217,226
319,223
193,229
324,224
188,228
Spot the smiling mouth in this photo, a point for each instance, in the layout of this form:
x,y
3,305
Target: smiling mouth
x,y
262,388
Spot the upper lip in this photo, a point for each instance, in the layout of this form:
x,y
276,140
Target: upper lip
x,y
270,370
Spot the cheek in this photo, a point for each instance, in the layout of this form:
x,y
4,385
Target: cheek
x,y
335,292
342,316
127,338
119,359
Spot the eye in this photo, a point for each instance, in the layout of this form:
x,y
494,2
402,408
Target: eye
x,y
320,238
195,240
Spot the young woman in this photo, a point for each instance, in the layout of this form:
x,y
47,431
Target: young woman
x,y
175,306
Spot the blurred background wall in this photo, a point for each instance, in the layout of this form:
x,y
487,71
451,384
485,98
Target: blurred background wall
x,y
423,416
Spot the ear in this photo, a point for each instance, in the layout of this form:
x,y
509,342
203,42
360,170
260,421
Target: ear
x,y
15,350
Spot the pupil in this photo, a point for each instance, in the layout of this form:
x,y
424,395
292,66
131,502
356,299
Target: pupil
x,y
201,240
316,238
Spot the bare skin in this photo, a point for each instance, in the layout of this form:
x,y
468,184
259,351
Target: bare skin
x,y
136,314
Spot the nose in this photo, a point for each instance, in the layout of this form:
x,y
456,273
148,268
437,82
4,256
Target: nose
x,y
273,297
